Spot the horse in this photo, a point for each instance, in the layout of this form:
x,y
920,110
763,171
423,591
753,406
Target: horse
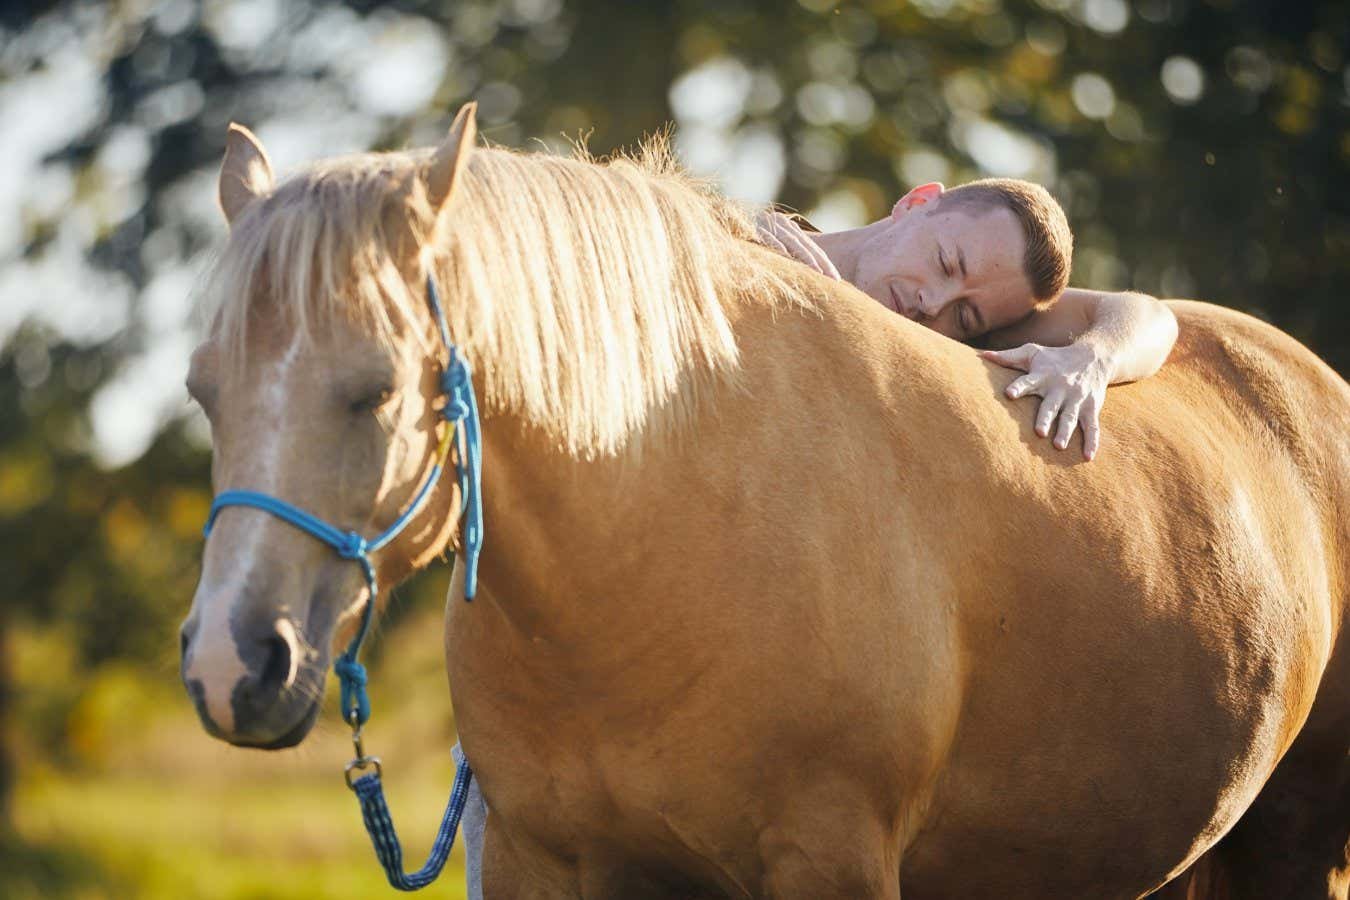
x,y
781,597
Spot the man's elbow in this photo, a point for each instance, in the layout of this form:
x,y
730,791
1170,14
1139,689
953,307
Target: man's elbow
x,y
1158,315
1162,329
1165,321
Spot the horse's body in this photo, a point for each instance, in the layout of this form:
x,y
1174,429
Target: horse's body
x,y
888,628
853,629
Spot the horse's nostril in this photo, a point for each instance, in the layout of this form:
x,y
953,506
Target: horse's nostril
x,y
183,643
276,672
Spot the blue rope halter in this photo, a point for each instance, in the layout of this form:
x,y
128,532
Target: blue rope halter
x,y
461,411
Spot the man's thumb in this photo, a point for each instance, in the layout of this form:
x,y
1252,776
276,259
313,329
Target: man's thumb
x,y
1016,358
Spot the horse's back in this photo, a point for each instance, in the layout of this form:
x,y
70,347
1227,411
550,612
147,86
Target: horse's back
x,y
1179,596
1244,435
1278,382
1278,419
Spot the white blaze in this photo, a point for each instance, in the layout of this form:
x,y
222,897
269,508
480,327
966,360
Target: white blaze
x,y
214,657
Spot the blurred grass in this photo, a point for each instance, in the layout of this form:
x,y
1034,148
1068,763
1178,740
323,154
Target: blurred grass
x,y
142,804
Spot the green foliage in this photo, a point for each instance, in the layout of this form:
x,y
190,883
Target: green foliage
x,y
109,554
118,836
38,872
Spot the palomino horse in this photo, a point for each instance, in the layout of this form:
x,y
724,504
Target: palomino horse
x,y
780,597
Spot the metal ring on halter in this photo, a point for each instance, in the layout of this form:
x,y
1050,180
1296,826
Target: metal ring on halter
x,y
360,764
362,761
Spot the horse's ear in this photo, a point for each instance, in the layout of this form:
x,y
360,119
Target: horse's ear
x,y
452,156
245,175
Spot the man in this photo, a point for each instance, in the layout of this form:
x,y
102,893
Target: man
x,y
989,262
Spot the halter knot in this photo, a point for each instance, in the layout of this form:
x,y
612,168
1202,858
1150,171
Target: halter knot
x,y
455,410
353,546
455,384
352,684
350,671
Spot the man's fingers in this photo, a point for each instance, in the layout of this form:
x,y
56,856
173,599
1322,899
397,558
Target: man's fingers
x,y
768,229
797,247
778,232
1015,358
1068,421
770,240
823,263
1049,409
805,250
1026,384
1091,428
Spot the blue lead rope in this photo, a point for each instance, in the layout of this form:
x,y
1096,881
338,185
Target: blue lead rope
x,y
461,411
375,812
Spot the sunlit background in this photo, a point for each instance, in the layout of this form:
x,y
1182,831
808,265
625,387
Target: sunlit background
x,y
1201,148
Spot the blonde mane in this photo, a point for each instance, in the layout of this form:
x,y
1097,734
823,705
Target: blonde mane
x,y
587,294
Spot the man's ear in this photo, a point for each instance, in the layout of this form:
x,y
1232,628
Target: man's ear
x,y
245,174
451,157
924,193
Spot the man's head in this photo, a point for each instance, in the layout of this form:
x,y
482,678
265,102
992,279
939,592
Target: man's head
x,y
969,260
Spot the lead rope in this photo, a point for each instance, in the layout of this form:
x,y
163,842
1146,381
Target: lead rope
x,y
369,788
461,411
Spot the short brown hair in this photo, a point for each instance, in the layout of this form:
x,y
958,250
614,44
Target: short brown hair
x,y
1049,255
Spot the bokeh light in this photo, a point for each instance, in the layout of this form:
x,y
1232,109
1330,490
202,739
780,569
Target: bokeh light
x,y
1183,79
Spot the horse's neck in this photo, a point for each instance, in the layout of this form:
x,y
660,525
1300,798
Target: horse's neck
x,y
574,545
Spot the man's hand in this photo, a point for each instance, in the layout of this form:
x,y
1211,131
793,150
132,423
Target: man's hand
x,y
1071,380
1074,349
778,232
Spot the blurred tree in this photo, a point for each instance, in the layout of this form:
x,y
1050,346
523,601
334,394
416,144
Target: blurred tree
x,y
1201,147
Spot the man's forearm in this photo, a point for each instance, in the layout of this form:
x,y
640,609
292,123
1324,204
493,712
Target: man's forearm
x,y
1131,334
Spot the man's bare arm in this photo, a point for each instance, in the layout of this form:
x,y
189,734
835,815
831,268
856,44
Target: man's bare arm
x,y
1133,331
1071,351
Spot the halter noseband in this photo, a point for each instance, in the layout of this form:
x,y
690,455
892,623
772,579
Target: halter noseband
x,y
461,411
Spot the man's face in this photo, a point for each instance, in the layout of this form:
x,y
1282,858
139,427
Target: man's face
x,y
958,272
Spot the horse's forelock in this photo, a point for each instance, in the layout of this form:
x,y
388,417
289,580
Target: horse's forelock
x,y
325,246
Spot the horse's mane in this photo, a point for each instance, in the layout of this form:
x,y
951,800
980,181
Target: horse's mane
x,y
588,294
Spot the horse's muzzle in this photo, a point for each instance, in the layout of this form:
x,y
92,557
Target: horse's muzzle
x,y
262,696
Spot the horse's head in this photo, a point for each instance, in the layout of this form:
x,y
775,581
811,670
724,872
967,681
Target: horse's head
x,y
320,379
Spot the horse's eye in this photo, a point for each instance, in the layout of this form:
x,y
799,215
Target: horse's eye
x,y
372,401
